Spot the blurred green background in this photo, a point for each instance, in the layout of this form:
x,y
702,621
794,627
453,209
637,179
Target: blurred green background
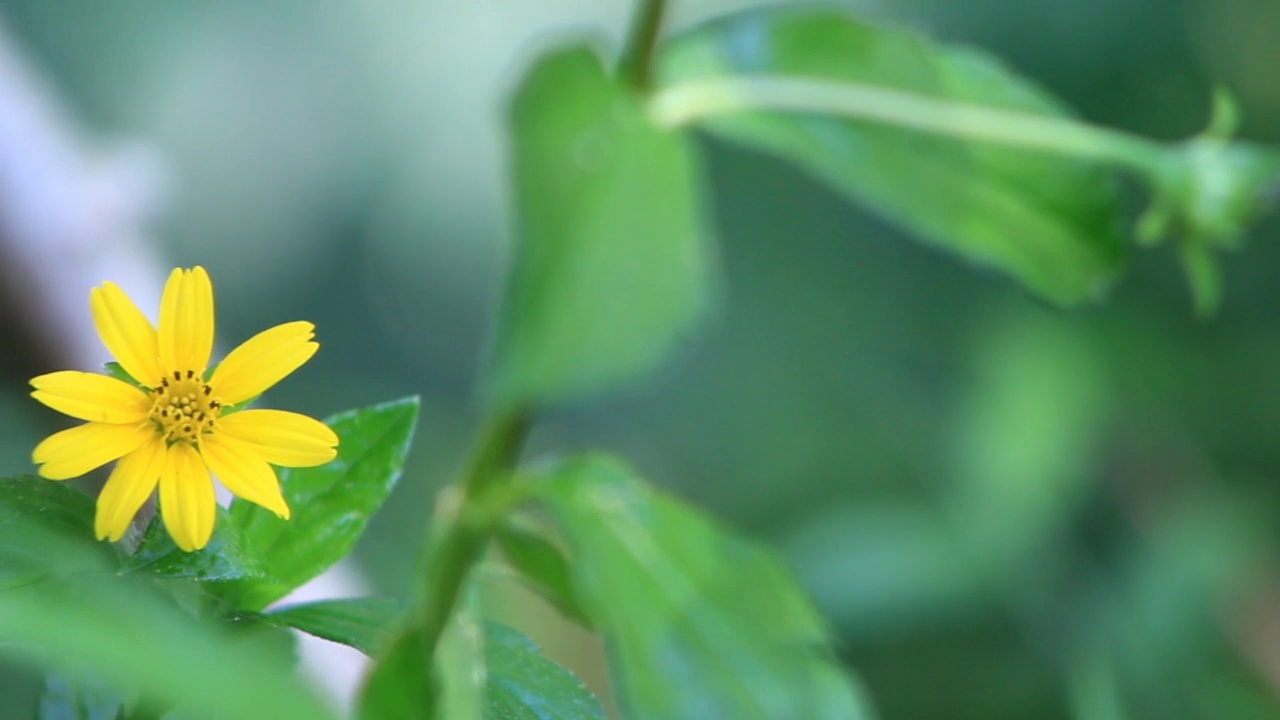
x,y
1007,511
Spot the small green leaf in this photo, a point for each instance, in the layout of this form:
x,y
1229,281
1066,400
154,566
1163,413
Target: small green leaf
x,y
366,624
611,267
523,684
331,504
226,557
77,696
698,622
117,371
1052,223
542,565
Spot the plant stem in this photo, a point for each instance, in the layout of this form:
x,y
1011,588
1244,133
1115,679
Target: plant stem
x,y
637,58
693,101
458,544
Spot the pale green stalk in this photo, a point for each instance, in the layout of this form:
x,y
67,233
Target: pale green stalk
x,y
691,102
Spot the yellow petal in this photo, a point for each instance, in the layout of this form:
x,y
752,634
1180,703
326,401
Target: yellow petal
x,y
128,487
186,321
90,396
262,361
282,438
126,332
243,472
187,503
74,452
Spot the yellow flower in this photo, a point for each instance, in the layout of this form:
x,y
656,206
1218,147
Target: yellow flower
x,y
178,430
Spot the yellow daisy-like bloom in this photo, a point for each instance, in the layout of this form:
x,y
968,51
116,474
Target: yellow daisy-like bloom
x,y
176,432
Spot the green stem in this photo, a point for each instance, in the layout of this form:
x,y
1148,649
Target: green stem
x,y
697,100
459,544
637,58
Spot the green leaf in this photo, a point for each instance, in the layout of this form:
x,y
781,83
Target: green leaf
x,y
1052,223
611,267
117,371
57,506
404,686
331,504
77,696
85,617
542,565
523,684
400,686
226,557
698,623
366,624
54,503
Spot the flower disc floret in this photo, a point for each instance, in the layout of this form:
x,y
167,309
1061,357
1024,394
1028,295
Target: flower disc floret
x,y
184,408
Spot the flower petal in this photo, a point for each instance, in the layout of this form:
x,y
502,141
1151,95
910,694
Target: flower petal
x,y
128,487
126,332
262,361
243,472
187,503
186,321
76,451
282,438
90,396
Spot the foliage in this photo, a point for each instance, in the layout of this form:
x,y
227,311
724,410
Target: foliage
x,y
612,270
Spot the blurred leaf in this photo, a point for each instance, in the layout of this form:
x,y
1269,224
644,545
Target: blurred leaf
x,y
128,635
55,505
542,565
76,696
883,570
402,687
1162,614
226,557
1052,223
366,624
331,504
1025,436
611,266
1094,689
524,685
698,622
399,685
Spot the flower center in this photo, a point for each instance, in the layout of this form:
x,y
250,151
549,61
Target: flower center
x,y
183,407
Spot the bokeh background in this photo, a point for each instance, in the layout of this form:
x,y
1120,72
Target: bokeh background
x,y
1006,511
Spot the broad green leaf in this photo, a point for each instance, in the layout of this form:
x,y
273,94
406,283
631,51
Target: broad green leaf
x,y
55,505
698,623
610,268
523,684
542,565
132,638
404,686
366,624
226,557
1052,223
399,687
77,696
331,504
